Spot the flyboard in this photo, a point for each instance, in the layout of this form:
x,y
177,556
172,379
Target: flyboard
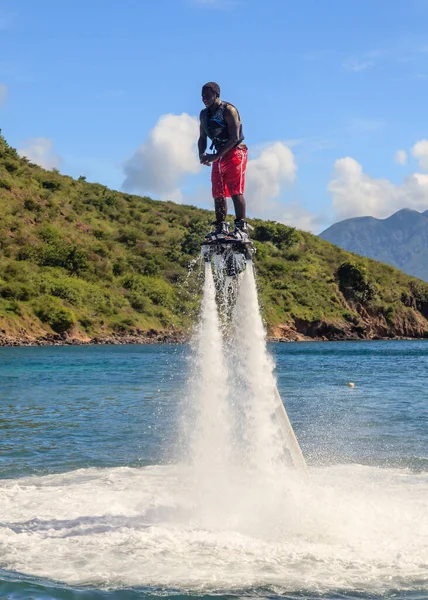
x,y
236,254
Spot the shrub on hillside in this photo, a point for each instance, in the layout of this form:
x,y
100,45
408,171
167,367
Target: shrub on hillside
x,y
140,303
129,236
120,266
123,324
55,251
190,244
32,205
11,165
280,235
196,229
64,288
16,291
14,307
50,234
67,256
354,283
151,268
50,310
5,184
159,291
51,184
419,291
104,202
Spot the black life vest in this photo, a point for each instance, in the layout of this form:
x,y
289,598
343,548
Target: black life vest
x,y
215,126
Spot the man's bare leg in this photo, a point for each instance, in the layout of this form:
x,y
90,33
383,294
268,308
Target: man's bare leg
x,y
240,207
220,205
221,227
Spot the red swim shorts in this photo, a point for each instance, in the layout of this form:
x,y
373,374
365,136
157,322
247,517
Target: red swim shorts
x,y
228,173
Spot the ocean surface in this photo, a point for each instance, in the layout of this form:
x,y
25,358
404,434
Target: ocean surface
x,y
95,502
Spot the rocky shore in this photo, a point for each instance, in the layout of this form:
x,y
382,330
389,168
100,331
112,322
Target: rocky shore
x,y
364,328
361,326
64,339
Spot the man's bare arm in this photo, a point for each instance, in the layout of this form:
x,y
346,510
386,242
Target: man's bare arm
x,y
202,142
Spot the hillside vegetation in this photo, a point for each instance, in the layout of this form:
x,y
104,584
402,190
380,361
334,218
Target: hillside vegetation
x,y
78,258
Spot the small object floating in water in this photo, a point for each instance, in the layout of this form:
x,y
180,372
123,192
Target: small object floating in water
x,y
350,384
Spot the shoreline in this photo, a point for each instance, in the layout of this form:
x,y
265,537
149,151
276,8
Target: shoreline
x,y
151,338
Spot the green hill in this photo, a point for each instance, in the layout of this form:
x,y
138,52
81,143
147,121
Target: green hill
x,y
79,259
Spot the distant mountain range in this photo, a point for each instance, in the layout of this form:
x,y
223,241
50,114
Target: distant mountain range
x,y
400,240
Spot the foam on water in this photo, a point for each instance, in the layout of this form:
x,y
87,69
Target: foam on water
x,y
348,527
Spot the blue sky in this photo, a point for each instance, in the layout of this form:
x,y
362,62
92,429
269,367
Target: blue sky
x,y
328,92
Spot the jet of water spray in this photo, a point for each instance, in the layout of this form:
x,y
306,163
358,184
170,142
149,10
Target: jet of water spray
x,y
211,429
239,417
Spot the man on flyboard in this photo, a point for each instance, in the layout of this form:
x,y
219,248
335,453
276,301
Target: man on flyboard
x,y
220,121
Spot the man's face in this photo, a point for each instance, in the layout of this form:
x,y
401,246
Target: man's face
x,y
208,97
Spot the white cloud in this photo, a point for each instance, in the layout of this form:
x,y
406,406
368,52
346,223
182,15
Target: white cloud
x,y
295,215
356,194
3,94
268,177
401,157
420,151
274,168
39,151
159,165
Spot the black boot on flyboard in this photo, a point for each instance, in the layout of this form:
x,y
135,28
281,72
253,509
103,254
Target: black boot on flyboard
x,y
234,247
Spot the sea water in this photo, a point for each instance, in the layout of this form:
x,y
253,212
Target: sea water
x,y
94,502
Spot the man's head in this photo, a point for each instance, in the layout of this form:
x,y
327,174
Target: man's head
x,y
210,93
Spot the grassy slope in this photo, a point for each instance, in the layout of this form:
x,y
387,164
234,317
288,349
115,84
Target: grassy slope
x,y
78,256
